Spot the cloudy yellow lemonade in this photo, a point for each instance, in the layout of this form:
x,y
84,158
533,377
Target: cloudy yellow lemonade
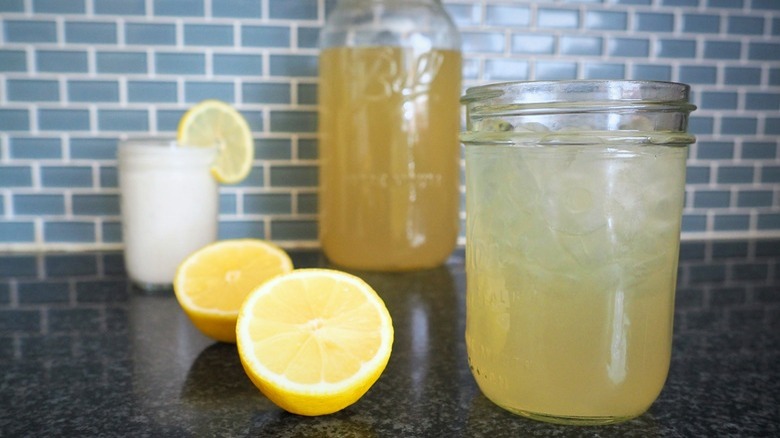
x,y
571,259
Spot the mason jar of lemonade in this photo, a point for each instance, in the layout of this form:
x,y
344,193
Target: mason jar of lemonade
x,y
389,84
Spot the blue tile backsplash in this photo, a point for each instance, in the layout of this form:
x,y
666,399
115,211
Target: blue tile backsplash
x,y
77,75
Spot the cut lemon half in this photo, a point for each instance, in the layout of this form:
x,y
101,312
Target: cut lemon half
x,y
213,122
212,282
314,340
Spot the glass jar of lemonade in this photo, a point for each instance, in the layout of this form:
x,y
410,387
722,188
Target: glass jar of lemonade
x,y
390,75
574,195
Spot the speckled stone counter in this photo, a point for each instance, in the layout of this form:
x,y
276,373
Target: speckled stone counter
x,y
83,353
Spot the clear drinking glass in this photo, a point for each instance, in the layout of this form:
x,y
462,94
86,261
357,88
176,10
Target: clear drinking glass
x,y
574,195
169,206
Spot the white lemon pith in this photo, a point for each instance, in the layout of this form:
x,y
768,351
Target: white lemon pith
x,y
215,123
212,282
314,340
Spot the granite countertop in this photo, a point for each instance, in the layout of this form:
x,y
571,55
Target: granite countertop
x,y
83,353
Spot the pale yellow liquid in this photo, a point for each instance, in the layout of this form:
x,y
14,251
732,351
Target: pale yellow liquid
x,y
389,153
571,271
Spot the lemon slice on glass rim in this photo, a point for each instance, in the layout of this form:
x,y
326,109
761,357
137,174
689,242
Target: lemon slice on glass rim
x,y
213,122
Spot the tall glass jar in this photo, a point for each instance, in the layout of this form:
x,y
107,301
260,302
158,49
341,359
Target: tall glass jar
x,y
574,196
390,78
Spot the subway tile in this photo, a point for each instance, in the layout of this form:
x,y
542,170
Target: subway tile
x,y
254,119
654,22
767,248
465,14
308,203
483,42
715,150
745,25
759,150
307,94
293,65
99,205
68,231
697,175
13,60
237,8
630,47
293,121
152,91
711,198
754,198
32,90
554,70
772,126
722,49
121,62
307,149
738,125
39,204
14,120
265,92
308,37
30,31
273,149
180,63
770,174
722,250
700,23
228,204
197,91
35,148
158,34
107,177
698,125
208,35
298,10
18,265
606,20
242,228
668,48
505,15
732,4
762,101
689,3
12,6
93,148
265,36
66,176
632,2
168,120
237,64
294,229
123,120
768,221
294,176
533,43
120,7
59,6
735,175
268,203
178,8
505,69
254,179
557,18
652,72
15,176
774,76
698,74
742,75
731,222
719,100
771,5
604,71
471,68
580,45
13,231
93,91
48,292
90,32
61,61
63,120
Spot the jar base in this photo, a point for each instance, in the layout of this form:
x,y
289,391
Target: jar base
x,y
572,420
152,287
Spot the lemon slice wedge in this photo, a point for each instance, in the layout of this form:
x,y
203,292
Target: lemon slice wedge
x,y
211,283
213,122
314,340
